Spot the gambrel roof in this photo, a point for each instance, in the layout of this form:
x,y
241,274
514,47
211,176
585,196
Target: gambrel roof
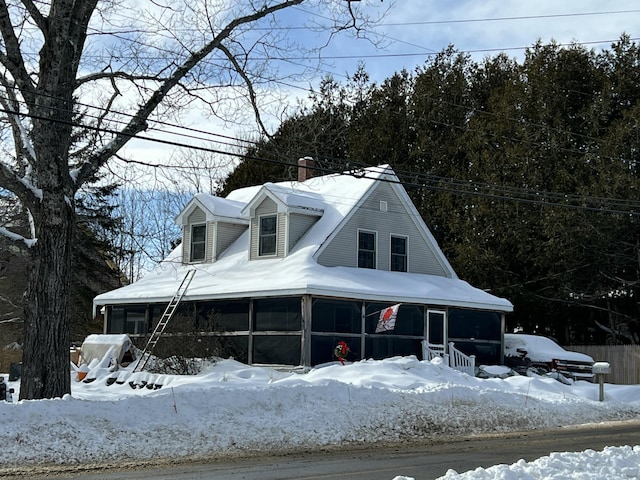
x,y
334,200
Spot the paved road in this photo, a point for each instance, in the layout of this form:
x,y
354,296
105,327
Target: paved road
x,y
420,460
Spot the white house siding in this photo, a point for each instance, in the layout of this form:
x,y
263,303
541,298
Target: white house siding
x,y
298,226
227,233
397,219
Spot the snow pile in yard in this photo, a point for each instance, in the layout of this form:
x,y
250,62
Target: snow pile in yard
x,y
611,463
231,407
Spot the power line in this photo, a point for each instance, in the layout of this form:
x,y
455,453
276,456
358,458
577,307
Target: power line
x,y
405,24
512,18
418,180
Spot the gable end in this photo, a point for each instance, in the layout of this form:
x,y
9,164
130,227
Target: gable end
x,y
383,211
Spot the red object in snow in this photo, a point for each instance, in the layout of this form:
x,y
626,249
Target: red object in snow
x,y
341,351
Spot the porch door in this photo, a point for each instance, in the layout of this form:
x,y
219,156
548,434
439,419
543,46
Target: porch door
x,y
437,330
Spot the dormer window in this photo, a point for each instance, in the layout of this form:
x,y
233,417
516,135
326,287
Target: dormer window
x,y
198,242
267,237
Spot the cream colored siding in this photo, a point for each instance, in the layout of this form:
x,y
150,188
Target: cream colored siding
x,y
253,241
197,216
267,207
209,252
186,243
397,220
227,233
281,235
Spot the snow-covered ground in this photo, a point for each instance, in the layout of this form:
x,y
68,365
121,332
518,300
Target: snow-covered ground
x,y
230,407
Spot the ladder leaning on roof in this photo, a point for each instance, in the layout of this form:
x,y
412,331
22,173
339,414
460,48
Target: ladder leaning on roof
x,y
164,320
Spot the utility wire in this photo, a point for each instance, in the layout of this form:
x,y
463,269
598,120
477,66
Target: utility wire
x,y
420,180
405,24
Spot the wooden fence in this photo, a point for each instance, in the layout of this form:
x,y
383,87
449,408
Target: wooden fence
x,y
624,361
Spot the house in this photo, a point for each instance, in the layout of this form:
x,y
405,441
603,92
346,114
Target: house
x,y
286,271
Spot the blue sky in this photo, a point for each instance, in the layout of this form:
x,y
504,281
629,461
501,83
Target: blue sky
x,y
411,31
414,29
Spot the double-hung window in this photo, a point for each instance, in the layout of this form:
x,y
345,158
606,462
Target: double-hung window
x,y
366,249
198,242
398,254
267,235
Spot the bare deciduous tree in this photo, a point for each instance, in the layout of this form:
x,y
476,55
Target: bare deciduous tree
x,y
80,79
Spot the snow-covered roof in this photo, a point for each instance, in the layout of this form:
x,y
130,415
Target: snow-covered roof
x,y
290,198
214,207
232,275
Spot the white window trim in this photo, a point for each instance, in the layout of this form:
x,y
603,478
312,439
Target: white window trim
x,y
375,247
445,327
275,253
204,257
397,235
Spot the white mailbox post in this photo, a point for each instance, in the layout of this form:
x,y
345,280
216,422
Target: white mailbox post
x,y
600,369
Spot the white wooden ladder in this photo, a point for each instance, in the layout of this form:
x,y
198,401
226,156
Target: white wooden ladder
x,y
164,320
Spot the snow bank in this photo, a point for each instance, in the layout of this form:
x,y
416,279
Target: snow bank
x,y
232,408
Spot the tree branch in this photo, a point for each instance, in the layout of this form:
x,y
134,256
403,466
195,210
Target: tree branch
x,y
248,83
40,20
27,193
23,147
12,60
16,239
139,121
113,76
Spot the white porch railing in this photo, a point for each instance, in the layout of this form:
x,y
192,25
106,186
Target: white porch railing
x,y
462,362
454,359
433,350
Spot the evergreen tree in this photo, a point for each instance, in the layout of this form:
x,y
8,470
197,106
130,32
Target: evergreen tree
x,y
526,173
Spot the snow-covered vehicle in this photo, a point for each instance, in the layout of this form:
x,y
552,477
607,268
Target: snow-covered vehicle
x,y
522,351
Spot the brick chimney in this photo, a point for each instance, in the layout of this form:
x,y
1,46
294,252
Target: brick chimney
x,y
306,168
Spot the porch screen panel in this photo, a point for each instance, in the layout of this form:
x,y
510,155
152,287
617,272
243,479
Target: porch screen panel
x,y
409,321
380,347
155,313
223,316
476,332
476,324
277,349
322,347
115,320
487,353
336,316
127,319
228,346
277,314
136,321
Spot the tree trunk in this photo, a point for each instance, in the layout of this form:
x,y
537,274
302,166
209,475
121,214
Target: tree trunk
x,y
45,362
